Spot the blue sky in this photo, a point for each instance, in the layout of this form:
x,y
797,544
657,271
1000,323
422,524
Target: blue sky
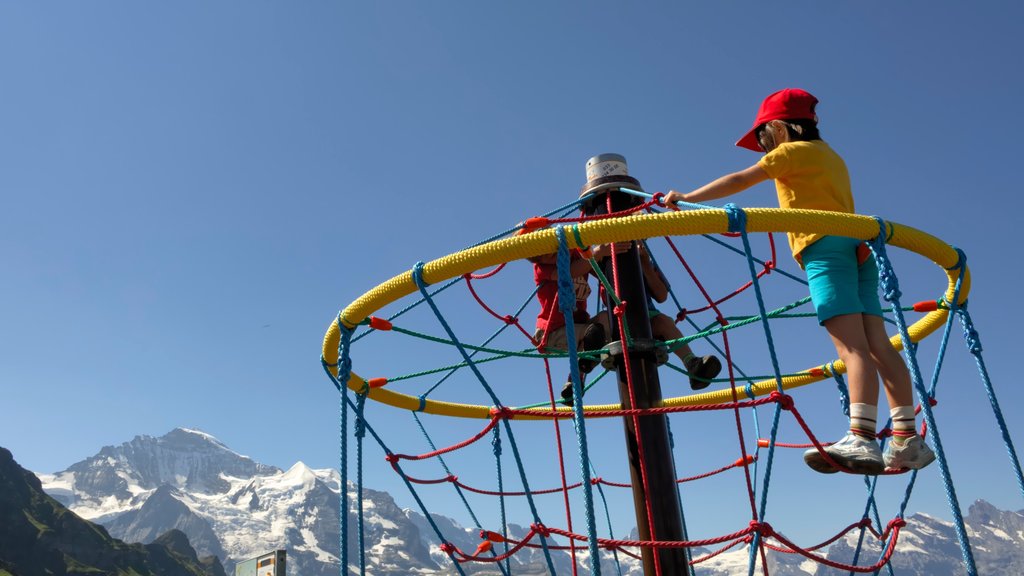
x,y
192,191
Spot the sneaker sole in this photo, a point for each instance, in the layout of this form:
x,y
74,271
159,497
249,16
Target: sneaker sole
x,y
818,463
860,466
913,465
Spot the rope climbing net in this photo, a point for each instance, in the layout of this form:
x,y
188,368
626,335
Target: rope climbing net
x,y
493,351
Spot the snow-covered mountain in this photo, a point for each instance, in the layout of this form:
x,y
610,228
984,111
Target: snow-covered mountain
x,y
235,508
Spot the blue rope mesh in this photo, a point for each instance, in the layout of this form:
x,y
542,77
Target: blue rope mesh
x,y
891,290
417,277
737,223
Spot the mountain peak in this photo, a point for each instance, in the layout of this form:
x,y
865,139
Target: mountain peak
x,y
193,435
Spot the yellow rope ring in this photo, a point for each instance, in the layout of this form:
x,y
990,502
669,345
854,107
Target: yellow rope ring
x,y
635,227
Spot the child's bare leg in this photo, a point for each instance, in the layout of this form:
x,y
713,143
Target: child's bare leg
x,y
701,369
891,367
851,342
665,329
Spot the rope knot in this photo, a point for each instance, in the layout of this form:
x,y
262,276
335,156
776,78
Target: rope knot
x,y
596,480
659,198
932,401
391,457
737,218
864,522
503,412
448,548
896,523
721,320
541,529
681,315
620,309
763,528
785,400
451,478
884,433
417,275
509,319
769,266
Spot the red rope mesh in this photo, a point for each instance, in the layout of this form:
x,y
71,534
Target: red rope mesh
x,y
730,540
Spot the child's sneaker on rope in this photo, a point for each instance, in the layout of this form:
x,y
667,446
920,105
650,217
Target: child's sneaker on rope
x,y
567,390
593,339
702,370
856,453
913,454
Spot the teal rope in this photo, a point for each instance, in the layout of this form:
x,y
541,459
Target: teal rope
x,y
567,304
890,286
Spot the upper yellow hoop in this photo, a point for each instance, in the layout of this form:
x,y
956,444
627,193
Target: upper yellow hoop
x,y
635,227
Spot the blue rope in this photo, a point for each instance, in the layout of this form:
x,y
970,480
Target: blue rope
x,y
567,304
458,489
486,342
344,374
679,496
496,448
360,432
408,484
890,287
869,483
973,342
608,519
417,277
444,465
844,395
738,223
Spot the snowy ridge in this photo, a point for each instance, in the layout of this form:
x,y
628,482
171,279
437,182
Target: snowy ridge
x,y
235,508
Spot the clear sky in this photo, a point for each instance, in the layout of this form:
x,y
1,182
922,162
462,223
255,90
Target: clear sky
x,y
192,190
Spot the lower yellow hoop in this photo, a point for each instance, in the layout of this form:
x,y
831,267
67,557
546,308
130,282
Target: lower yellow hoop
x,y
635,227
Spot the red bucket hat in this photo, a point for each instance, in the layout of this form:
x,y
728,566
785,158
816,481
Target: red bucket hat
x,y
786,104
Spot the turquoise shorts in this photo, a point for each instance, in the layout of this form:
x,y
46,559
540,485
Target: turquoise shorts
x,y
838,284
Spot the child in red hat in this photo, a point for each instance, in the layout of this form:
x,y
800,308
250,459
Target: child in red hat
x,y
842,278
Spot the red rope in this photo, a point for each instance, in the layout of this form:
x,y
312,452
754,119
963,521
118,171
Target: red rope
x,y
632,397
506,319
490,425
561,461
497,269
595,481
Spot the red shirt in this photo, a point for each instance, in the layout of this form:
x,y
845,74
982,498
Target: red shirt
x,y
550,317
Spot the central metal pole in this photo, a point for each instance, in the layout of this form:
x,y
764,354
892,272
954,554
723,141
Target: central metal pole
x,y
606,174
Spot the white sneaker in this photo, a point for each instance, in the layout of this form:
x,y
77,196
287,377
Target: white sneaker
x,y
859,455
915,454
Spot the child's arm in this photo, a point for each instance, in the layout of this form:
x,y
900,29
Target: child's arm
x,y
725,186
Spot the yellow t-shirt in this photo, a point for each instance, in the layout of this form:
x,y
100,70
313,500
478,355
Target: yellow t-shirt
x,y
809,176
